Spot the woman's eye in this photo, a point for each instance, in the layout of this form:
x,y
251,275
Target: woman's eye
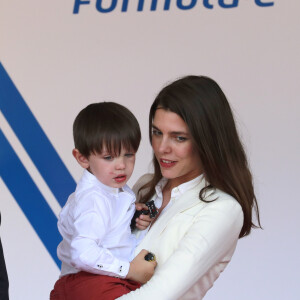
x,y
180,138
108,157
156,132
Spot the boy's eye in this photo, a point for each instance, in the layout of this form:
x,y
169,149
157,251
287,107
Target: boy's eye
x,y
108,157
129,154
156,132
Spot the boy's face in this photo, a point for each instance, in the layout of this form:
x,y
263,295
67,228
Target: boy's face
x,y
113,171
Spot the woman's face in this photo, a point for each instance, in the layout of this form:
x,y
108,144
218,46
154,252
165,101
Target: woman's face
x,y
174,148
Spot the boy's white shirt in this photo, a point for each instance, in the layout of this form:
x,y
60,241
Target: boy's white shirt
x,y
95,226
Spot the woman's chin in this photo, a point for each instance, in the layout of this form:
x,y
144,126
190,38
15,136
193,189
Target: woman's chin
x,y
168,174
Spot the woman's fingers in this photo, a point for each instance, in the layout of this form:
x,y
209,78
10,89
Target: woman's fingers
x,y
140,269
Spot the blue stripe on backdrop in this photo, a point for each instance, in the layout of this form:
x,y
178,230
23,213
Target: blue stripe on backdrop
x,y
28,197
34,140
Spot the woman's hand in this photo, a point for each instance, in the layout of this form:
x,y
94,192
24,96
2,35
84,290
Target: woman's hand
x,y
140,269
143,221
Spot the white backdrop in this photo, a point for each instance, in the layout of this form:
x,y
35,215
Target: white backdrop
x,y
60,62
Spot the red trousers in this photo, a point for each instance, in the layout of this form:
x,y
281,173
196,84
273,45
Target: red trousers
x,y
87,286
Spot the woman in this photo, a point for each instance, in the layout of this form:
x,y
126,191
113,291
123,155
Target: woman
x,y
202,186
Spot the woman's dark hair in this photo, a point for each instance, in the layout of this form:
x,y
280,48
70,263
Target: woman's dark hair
x,y
200,102
106,124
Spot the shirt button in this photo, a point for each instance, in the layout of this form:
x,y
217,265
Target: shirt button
x,y
100,266
120,270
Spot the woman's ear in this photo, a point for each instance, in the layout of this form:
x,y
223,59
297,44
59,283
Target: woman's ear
x,y
81,159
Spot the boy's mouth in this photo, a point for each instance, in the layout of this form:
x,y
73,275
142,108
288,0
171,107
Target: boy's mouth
x,y
120,178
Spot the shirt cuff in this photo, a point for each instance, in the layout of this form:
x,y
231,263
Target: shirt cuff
x,y
120,269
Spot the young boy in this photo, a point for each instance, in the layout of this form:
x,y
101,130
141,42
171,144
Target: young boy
x,y
95,221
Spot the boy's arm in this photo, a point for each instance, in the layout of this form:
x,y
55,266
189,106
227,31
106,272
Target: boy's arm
x,y
89,224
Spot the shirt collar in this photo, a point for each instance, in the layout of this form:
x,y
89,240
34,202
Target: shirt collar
x,y
180,189
89,177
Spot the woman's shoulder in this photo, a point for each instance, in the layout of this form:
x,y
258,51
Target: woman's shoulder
x,y
223,196
218,200
214,198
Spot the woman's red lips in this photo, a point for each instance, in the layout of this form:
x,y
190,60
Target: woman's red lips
x,y
120,178
166,163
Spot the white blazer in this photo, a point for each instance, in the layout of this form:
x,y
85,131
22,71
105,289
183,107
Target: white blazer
x,y
193,242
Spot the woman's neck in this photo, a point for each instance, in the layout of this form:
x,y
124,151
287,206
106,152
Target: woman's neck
x,y
172,183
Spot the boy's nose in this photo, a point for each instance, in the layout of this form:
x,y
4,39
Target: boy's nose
x,y
120,163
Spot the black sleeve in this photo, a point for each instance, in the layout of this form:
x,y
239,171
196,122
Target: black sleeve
x,y
3,275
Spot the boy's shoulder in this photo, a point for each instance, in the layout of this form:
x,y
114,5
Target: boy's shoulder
x,y
92,194
86,199
88,186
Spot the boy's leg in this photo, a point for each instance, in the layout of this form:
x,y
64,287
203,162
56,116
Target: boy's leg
x,y
83,285
58,292
113,287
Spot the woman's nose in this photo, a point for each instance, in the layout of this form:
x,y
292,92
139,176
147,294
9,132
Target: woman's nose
x,y
164,146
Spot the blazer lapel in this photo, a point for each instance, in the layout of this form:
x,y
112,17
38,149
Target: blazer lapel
x,y
184,202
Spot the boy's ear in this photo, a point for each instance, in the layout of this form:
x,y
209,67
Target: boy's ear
x,y
81,159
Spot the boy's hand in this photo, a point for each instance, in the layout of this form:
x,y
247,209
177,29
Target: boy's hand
x,y
143,221
140,269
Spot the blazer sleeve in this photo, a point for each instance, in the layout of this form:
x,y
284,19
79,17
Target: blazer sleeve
x,y
213,234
